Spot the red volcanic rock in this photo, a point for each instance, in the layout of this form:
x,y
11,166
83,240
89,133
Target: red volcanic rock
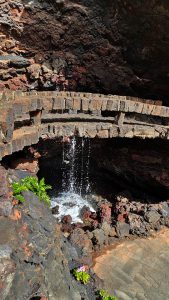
x,y
121,218
67,219
80,239
66,228
105,213
85,213
82,43
30,165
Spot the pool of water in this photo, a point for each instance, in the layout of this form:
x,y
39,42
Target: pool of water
x,y
70,204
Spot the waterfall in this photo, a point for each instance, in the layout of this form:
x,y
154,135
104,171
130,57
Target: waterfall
x,y
76,165
75,178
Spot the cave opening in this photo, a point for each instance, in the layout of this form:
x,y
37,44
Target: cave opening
x,y
83,171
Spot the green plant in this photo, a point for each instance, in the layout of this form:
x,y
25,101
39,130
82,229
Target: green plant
x,y
32,184
106,296
81,276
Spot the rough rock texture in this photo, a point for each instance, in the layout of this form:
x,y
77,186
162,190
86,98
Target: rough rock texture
x,y
32,260
111,46
5,194
137,165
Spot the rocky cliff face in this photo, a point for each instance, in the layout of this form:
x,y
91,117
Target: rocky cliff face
x,y
99,46
137,165
34,258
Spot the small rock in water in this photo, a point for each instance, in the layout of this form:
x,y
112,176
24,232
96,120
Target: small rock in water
x,y
69,204
85,213
67,219
55,210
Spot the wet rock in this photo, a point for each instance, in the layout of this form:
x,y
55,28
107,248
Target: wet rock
x,y
152,216
55,210
67,219
122,229
89,218
85,213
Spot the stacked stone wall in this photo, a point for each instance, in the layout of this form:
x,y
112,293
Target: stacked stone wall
x,y
25,117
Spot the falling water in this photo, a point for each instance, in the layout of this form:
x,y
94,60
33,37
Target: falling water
x,y
75,178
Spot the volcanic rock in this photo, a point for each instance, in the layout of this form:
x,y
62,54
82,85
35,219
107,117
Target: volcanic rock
x,y
122,229
152,216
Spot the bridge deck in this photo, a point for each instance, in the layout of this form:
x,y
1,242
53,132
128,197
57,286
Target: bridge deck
x,y
27,117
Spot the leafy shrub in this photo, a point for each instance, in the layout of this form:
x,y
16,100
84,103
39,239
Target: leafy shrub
x,y
81,276
32,184
105,296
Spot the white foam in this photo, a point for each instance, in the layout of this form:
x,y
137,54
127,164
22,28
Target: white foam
x,y
70,204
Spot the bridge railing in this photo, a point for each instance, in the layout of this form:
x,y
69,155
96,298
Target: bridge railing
x,y
30,110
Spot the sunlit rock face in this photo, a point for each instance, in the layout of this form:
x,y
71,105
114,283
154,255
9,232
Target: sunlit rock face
x,y
99,46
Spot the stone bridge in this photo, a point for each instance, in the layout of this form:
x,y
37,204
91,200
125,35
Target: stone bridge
x,y
27,117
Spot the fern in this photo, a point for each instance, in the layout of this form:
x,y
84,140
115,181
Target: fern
x,y
32,184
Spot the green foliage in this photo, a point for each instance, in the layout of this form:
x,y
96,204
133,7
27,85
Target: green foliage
x,y
81,276
106,296
32,184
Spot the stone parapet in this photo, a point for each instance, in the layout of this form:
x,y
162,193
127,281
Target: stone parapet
x,y
27,116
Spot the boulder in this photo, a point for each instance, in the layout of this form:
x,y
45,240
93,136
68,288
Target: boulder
x,y
81,240
108,229
152,216
105,212
98,237
67,219
30,165
19,62
122,229
55,210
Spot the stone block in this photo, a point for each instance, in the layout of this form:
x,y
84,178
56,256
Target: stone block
x,y
93,105
114,131
58,103
85,104
104,104
113,105
105,126
138,107
126,131
122,229
77,103
156,110
103,134
48,104
36,117
69,103
7,124
144,131
147,109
